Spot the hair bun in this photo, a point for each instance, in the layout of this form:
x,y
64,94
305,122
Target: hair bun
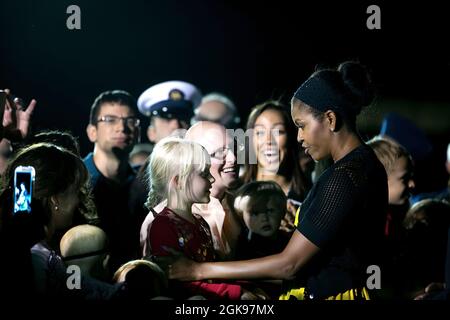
x,y
357,80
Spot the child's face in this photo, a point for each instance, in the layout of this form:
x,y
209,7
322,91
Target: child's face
x,y
199,186
400,182
264,218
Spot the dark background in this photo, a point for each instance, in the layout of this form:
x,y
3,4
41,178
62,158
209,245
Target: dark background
x,y
250,51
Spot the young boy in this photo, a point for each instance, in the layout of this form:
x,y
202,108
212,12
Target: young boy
x,y
262,205
399,169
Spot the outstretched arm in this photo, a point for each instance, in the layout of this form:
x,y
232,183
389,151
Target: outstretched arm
x,y
279,266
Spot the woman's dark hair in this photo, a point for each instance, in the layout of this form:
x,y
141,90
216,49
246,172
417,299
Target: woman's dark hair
x,y
86,211
59,138
290,167
56,170
345,90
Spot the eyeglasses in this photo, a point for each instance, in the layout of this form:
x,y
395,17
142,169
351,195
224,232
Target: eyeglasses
x,y
221,154
131,122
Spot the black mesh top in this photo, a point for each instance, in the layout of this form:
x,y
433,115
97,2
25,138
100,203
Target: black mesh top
x,y
344,216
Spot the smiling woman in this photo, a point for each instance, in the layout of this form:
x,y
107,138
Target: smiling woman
x,y
273,143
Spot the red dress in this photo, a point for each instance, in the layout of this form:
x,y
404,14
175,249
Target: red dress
x,y
194,240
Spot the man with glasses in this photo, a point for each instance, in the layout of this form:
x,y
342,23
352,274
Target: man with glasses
x,y
114,130
225,225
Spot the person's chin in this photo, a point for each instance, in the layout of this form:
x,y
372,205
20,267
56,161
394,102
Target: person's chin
x,y
229,178
399,202
270,168
122,148
316,157
123,144
206,198
265,233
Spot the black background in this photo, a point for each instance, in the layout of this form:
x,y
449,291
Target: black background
x,y
251,51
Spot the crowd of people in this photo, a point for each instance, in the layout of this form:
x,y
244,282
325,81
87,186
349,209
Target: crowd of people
x,y
295,206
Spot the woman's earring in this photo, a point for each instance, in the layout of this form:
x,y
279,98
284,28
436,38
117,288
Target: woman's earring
x,y
56,208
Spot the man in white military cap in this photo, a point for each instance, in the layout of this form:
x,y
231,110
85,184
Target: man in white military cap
x,y
170,107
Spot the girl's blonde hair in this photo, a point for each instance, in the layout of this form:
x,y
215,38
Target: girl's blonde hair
x,y
173,157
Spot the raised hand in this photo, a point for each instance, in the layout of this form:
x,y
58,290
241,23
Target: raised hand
x,y
16,118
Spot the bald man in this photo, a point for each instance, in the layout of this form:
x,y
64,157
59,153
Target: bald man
x,y
86,246
225,225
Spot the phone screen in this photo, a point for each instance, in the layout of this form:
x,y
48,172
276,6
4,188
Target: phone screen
x,y
23,189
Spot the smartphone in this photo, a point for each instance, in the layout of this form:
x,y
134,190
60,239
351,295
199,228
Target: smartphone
x,y
23,189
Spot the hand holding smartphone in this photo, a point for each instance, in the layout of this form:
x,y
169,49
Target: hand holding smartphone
x,y
23,189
